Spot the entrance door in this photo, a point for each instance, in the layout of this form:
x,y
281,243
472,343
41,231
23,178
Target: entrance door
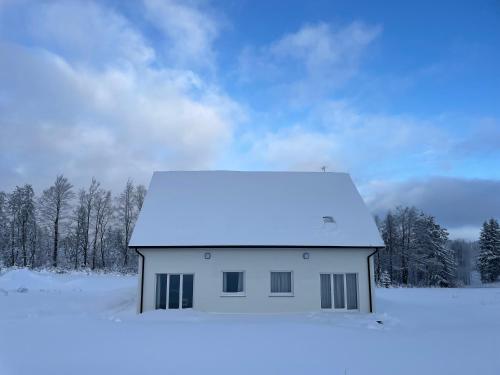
x,y
174,291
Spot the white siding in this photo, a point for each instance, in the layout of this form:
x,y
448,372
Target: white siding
x,y
257,264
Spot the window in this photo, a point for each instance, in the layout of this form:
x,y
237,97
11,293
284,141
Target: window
x,y
281,283
343,287
233,283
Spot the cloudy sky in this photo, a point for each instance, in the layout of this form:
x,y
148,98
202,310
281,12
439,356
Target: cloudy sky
x,y
405,96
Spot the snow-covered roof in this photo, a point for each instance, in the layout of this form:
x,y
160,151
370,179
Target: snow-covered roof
x,y
226,208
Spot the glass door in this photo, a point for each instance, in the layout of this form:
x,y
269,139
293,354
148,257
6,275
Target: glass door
x,y
174,291
339,291
326,291
187,291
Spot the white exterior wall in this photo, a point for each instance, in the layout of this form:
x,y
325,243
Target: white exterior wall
x,y
257,263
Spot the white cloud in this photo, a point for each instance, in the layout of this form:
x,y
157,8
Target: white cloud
x,y
81,31
310,62
112,117
319,47
190,32
295,149
342,138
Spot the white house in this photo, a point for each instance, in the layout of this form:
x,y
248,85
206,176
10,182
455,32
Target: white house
x,y
225,241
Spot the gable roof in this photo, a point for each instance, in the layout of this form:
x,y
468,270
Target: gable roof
x,y
227,208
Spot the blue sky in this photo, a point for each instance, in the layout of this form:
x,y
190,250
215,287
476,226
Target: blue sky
x,y
404,96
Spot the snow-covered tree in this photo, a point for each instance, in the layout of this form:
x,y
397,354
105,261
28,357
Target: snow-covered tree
x,y
139,195
75,241
54,206
385,279
407,218
463,252
62,232
88,198
441,261
21,206
4,228
127,214
103,210
390,235
489,254
416,249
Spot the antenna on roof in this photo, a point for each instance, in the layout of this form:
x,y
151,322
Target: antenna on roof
x,y
323,168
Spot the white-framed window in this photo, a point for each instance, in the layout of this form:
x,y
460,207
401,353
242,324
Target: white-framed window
x,y
233,283
339,291
281,283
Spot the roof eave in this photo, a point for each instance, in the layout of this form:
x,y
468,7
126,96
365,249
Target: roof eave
x,y
258,246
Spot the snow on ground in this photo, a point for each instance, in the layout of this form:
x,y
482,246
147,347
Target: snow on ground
x,y
86,324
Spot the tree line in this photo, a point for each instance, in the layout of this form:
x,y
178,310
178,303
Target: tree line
x,y
64,228
418,252
91,228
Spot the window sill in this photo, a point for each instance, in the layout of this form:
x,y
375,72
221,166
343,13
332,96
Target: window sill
x,y
281,295
238,294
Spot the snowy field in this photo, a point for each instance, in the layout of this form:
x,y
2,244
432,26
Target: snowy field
x,y
85,324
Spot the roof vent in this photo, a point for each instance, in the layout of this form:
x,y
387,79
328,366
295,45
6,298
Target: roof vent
x,y
328,219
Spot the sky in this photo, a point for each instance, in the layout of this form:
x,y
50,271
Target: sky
x,y
405,96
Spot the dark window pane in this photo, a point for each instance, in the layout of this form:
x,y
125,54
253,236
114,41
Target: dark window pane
x,y
326,291
174,291
281,282
187,291
161,291
352,291
232,282
338,285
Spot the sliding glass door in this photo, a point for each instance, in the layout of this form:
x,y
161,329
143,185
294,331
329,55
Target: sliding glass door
x,y
338,291
174,291
161,291
341,288
326,291
187,291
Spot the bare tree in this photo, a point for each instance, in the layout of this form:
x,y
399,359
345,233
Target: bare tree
x,y
407,219
78,230
140,194
89,201
107,214
22,211
95,234
54,204
126,216
390,236
102,211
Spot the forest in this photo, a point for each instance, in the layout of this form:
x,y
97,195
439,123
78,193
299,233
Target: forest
x,y
89,228
65,229
418,252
